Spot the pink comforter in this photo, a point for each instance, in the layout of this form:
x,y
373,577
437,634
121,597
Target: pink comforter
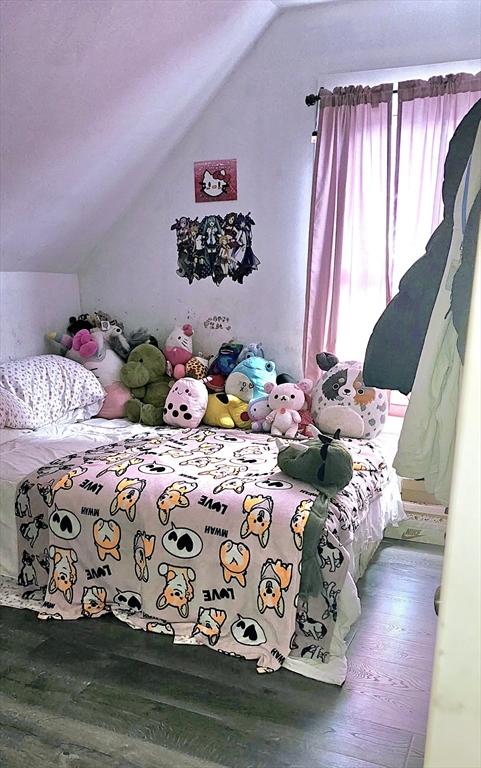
x,y
193,533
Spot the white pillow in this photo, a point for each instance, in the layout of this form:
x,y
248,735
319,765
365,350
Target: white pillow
x,y
41,390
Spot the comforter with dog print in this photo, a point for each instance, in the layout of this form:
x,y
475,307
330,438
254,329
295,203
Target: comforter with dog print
x,y
193,533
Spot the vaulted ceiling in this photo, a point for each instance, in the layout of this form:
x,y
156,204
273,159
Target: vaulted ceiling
x,y
95,94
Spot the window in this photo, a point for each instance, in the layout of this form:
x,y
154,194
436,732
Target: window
x,y
376,200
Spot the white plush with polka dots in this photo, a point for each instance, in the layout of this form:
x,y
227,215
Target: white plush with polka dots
x,y
186,403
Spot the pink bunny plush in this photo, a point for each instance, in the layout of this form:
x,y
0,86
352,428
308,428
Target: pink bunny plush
x,y
285,402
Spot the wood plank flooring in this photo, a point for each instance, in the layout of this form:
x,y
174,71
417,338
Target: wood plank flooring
x,y
96,694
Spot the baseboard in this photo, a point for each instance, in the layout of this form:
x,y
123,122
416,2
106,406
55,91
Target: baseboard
x,y
428,510
415,491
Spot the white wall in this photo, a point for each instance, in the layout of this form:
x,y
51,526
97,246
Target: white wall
x,y
31,304
454,727
260,118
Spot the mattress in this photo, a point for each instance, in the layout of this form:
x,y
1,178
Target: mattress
x,y
27,451
22,451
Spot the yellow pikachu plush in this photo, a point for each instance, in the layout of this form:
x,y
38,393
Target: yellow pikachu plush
x,y
226,411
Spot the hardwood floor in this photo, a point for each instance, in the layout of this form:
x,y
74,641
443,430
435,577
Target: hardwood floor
x,y
96,694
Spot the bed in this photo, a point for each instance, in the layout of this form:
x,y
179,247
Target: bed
x,y
252,609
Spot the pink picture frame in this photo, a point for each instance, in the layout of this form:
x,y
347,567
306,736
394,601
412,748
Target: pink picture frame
x,y
215,181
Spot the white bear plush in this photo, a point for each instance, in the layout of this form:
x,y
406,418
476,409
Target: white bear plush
x,y
285,402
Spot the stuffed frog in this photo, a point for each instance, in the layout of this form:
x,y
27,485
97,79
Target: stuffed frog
x,y
144,375
247,379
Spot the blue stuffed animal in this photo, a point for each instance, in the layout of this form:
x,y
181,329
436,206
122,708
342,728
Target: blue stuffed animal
x,y
248,378
226,359
251,350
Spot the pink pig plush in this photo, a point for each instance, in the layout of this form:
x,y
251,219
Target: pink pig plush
x,y
285,402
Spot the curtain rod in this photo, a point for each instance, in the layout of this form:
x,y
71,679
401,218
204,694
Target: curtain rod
x,y
313,98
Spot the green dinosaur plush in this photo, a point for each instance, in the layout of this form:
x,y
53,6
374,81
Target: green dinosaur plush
x,y
327,465
144,375
321,461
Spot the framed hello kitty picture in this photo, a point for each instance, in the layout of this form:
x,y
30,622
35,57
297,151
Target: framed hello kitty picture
x,y
215,181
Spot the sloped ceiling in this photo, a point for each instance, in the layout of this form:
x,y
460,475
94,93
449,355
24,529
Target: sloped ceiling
x,y
290,3
95,94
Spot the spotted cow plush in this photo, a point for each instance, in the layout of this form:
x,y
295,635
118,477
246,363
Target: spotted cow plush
x,y
340,400
186,403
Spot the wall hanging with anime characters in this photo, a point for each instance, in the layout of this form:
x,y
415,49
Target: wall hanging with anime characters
x,y
216,247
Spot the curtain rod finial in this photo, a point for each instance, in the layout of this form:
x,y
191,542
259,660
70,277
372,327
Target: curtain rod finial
x,y
311,99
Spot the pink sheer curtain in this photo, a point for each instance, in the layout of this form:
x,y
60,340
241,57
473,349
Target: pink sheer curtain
x,y
348,263
360,245
429,112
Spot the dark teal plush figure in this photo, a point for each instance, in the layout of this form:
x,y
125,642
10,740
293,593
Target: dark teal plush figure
x,y
327,465
226,359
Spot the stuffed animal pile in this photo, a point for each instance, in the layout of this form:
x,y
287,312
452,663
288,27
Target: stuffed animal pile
x,y
237,388
99,343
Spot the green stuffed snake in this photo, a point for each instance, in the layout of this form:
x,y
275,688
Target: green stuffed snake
x,y
327,465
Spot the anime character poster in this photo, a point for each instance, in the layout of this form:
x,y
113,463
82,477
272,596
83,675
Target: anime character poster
x,y
215,180
217,247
